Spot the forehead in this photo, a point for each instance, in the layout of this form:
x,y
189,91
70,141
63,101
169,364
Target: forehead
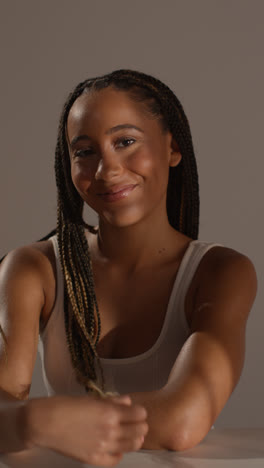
x,y
107,107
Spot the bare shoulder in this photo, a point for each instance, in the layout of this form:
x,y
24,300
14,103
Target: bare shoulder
x,y
37,256
220,261
225,279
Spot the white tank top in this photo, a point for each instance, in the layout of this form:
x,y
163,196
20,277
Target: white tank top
x,y
145,372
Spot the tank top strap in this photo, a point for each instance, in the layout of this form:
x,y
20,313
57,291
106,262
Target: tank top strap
x,y
59,300
195,255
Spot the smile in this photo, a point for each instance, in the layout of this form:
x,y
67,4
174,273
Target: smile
x,y
114,196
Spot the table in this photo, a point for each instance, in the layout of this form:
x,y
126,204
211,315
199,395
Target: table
x,y
229,448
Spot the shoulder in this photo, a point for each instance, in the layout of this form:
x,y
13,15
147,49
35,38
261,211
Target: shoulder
x,y
34,264
37,256
220,261
226,279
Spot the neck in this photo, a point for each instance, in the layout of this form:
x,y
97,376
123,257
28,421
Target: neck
x,y
138,246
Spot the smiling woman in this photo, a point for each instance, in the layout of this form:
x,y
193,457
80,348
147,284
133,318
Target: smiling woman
x,y
136,306
109,157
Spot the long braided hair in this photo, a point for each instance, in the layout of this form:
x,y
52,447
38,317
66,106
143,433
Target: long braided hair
x,y
82,319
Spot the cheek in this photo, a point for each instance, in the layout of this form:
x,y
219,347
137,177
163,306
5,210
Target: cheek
x,y
81,177
142,162
149,164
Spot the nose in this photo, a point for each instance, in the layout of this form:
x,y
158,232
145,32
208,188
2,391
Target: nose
x,y
109,166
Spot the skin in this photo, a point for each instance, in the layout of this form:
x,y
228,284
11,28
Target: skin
x,y
126,156
134,237
211,361
93,431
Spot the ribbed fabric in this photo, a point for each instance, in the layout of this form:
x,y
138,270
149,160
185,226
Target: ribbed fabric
x,y
145,372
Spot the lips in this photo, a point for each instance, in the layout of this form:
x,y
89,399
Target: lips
x,y
116,189
118,194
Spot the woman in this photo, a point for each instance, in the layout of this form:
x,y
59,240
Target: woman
x,y
135,306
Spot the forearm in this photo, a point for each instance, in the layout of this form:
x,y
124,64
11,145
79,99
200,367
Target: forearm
x,y
157,406
13,424
183,411
177,419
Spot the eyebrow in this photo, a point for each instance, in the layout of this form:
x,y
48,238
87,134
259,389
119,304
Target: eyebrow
x,y
108,132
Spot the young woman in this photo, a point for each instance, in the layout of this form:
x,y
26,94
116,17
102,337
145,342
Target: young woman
x,y
142,325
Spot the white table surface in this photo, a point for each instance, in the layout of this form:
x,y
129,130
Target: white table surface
x,y
229,448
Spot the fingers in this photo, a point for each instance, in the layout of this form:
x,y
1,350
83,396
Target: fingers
x,y
122,399
133,428
114,455
127,445
107,459
125,438
135,413
130,437
124,446
133,431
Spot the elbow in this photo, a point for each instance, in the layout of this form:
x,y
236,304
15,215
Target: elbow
x,y
181,440
184,438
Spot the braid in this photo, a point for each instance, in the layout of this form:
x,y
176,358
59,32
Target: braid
x,y
82,319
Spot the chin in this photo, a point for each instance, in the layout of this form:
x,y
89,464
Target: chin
x,y
120,220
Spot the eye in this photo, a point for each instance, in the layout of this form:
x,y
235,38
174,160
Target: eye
x,y
88,152
124,142
83,153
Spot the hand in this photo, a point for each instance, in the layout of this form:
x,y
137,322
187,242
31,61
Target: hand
x,y
88,428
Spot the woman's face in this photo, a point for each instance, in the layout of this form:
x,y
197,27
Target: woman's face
x,y
113,142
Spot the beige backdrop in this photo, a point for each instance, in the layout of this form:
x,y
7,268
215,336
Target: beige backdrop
x,y
210,53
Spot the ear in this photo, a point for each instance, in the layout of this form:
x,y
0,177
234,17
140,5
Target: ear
x,y
175,156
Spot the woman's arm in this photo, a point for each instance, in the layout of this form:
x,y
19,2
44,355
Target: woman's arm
x,y
13,424
89,429
21,301
210,362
